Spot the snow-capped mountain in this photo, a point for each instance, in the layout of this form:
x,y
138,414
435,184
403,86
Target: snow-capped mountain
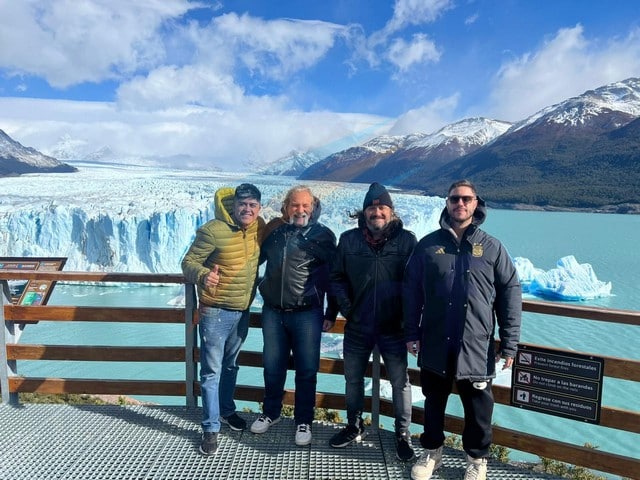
x,y
70,149
619,99
293,164
395,158
580,153
298,161
16,159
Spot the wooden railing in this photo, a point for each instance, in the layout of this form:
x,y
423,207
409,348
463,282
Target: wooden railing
x,y
16,317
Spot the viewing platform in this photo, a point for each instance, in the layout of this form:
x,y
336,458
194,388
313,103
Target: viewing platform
x,y
46,441
112,442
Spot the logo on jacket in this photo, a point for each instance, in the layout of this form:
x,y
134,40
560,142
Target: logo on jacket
x,y
440,251
477,250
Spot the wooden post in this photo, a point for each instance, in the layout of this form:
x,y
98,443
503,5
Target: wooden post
x,y
8,368
190,339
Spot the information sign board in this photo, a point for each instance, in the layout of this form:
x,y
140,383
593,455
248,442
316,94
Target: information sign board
x,y
31,292
557,383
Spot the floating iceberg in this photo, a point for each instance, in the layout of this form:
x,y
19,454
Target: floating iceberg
x,y
526,272
570,281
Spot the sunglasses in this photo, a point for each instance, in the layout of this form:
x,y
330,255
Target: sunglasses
x,y
466,199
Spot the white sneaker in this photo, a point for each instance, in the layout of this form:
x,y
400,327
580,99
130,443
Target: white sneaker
x,y
303,434
263,423
476,469
427,464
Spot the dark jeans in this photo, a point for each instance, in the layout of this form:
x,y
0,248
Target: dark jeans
x,y
478,410
297,332
357,350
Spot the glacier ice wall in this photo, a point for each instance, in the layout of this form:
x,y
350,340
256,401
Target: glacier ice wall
x,y
126,219
137,219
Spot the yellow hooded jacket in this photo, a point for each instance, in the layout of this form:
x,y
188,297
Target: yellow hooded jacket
x,y
235,250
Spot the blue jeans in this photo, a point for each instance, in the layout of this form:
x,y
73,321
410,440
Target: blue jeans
x,y
297,332
222,333
357,351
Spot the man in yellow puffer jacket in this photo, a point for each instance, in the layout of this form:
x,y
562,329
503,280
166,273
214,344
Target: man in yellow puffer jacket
x,y
222,262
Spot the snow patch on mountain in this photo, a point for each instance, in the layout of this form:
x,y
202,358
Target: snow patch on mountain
x,y
623,97
468,132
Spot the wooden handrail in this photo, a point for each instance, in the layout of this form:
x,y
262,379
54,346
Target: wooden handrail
x,y
620,419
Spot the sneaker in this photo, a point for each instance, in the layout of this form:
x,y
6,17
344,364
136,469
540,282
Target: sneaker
x,y
349,434
476,469
303,434
209,444
404,451
234,421
263,423
427,464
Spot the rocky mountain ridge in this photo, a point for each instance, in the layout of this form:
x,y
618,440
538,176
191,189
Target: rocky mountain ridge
x,y
583,153
16,159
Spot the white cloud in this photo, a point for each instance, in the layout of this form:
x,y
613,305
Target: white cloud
x,y
565,66
258,131
399,52
276,48
179,85
471,19
406,54
416,12
428,118
67,42
170,86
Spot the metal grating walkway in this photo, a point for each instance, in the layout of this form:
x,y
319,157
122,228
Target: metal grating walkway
x,y
46,442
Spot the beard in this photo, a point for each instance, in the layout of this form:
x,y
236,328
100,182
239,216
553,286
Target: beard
x,y
299,220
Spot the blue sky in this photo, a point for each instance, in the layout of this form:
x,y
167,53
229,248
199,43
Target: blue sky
x,y
237,84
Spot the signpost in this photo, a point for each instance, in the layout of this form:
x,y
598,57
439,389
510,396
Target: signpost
x,y
557,383
32,292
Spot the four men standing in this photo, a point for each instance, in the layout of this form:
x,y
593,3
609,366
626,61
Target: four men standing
x,y
439,299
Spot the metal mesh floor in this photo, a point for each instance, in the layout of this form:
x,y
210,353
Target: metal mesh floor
x,y
151,442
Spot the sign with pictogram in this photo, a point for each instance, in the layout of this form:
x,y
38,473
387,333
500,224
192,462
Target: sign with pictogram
x,y
557,383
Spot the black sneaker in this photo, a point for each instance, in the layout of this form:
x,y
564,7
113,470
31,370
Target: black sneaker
x,y
404,452
349,434
234,421
209,444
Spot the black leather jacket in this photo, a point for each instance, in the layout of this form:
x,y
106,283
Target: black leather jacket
x,y
297,271
367,282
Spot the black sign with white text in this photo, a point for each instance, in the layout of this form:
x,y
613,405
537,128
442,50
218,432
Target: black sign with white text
x,y
557,383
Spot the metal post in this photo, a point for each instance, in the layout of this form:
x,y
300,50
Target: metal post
x,y
375,390
8,368
190,339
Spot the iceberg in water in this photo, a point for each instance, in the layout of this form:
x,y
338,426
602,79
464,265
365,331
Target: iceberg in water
x,y
526,272
569,281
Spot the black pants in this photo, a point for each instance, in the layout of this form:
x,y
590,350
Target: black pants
x,y
478,411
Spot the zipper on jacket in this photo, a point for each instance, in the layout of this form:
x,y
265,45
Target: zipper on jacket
x,y
287,238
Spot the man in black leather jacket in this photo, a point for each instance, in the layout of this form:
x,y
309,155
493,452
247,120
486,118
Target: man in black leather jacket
x,y
366,279
298,252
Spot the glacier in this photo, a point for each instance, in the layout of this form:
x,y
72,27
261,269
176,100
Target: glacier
x,y
123,218
140,219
